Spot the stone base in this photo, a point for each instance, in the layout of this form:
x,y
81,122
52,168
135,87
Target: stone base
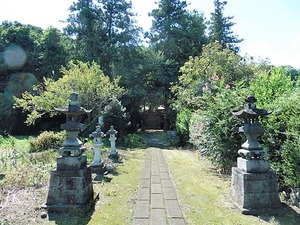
x,y
253,165
98,169
254,193
114,155
70,190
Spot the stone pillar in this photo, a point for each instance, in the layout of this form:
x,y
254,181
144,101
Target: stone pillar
x,y
254,188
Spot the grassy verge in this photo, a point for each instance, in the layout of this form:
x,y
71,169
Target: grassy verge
x,y
204,194
116,192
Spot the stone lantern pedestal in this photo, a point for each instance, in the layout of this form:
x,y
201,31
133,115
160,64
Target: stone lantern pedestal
x,y
254,188
70,189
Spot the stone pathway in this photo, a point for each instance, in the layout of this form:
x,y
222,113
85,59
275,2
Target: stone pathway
x,y
156,202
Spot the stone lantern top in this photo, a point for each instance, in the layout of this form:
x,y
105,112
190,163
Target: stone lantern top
x,y
72,145
112,131
73,111
251,113
97,133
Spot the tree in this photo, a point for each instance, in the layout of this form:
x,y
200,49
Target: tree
x,y
220,28
53,53
87,79
216,66
104,31
23,41
177,32
148,84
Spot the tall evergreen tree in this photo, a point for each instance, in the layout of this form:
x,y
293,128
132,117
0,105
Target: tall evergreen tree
x,y
220,28
105,31
177,32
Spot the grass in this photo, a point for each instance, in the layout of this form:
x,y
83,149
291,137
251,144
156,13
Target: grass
x,y
117,194
204,194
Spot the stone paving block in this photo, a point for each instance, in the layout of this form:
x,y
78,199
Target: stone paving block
x,y
157,201
155,172
140,222
156,189
155,179
169,193
176,221
166,183
158,217
145,174
163,169
143,194
145,183
164,175
173,209
141,209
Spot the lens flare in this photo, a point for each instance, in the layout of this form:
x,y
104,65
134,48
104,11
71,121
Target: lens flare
x,y
14,57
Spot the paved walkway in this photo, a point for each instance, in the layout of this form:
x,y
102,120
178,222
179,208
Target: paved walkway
x,y
156,202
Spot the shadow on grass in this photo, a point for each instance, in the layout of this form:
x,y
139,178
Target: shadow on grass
x,y
284,215
67,219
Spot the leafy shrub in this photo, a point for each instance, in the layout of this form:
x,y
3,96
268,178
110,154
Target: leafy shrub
x,y
214,130
277,92
283,139
182,125
134,141
47,140
115,114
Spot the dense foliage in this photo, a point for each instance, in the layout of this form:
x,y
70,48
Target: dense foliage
x,y
94,89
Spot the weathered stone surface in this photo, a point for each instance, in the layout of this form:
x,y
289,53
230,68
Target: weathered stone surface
x,y
141,209
254,192
71,162
253,165
158,217
173,209
157,201
70,191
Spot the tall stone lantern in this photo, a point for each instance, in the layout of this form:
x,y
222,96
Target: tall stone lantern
x,y
254,187
70,188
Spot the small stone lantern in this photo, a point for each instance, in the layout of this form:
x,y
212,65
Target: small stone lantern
x,y
97,135
112,138
254,188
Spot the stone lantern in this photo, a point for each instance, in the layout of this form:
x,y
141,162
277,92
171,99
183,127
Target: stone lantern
x,y
70,188
97,164
112,138
254,187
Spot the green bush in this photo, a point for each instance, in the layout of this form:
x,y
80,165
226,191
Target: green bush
x,y
134,141
214,130
115,114
47,140
182,125
283,138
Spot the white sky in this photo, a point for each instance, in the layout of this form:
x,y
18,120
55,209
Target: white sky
x,y
270,28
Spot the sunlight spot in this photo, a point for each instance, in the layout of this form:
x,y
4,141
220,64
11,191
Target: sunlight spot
x,y
14,56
